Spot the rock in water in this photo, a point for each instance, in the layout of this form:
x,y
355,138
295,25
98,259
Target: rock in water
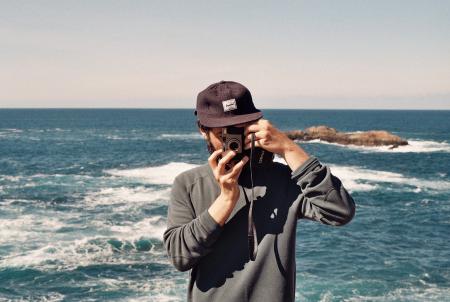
x,y
368,138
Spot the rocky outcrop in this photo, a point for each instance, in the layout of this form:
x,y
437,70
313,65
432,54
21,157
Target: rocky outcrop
x,y
367,138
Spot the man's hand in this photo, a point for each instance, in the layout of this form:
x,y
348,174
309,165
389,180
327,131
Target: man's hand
x,y
228,182
271,139
267,137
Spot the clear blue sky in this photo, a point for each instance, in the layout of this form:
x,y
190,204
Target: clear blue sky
x,y
293,54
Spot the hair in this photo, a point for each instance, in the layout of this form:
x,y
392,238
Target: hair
x,y
208,142
204,128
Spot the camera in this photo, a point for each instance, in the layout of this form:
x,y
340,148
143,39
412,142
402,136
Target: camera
x,y
234,139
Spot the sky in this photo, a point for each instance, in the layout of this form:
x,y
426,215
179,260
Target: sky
x,y
380,54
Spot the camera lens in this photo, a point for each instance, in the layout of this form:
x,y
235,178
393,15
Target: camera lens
x,y
234,146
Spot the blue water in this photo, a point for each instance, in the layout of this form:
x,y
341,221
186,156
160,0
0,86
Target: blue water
x,y
83,200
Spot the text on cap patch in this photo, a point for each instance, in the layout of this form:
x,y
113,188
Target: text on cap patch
x,y
229,105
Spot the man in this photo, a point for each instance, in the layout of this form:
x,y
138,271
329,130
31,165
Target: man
x,y
208,212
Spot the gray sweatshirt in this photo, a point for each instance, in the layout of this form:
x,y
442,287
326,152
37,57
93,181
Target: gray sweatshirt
x,y
218,255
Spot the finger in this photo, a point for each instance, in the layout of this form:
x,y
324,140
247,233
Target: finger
x,y
212,159
252,128
257,144
258,135
237,169
224,160
255,126
227,163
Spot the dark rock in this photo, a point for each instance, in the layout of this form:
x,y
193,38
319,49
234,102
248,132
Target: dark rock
x,y
368,138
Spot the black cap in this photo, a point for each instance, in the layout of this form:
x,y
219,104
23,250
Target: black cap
x,y
226,103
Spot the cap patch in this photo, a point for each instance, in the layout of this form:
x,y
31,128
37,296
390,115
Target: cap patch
x,y
229,105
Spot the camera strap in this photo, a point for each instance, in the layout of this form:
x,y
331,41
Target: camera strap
x,y
251,229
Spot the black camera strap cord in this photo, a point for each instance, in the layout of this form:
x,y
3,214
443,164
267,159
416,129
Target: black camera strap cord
x,y
251,229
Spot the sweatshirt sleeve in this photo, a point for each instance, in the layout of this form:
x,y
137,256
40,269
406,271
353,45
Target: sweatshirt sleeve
x,y
322,196
187,237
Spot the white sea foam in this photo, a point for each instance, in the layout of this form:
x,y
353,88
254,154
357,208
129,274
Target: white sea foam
x,y
415,146
180,136
41,176
10,132
409,293
62,255
157,298
27,227
158,290
13,130
124,195
65,255
48,297
151,227
115,137
164,174
64,251
361,179
10,178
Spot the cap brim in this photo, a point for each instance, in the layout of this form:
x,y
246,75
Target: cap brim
x,y
230,121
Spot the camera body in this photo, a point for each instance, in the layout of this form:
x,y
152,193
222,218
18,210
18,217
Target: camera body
x,y
234,139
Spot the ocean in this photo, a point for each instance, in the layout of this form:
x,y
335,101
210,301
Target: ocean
x,y
83,203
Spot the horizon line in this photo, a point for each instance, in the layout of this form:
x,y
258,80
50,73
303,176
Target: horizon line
x,y
185,108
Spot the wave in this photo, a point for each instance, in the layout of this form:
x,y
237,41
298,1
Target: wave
x,y
362,179
15,178
164,174
124,245
48,297
180,136
409,293
10,132
125,195
151,227
160,289
115,137
28,226
156,297
415,146
18,182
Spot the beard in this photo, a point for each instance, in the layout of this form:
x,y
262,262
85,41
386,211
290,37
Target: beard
x,y
210,147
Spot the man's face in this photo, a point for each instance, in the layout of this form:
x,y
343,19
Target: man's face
x,y
215,135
